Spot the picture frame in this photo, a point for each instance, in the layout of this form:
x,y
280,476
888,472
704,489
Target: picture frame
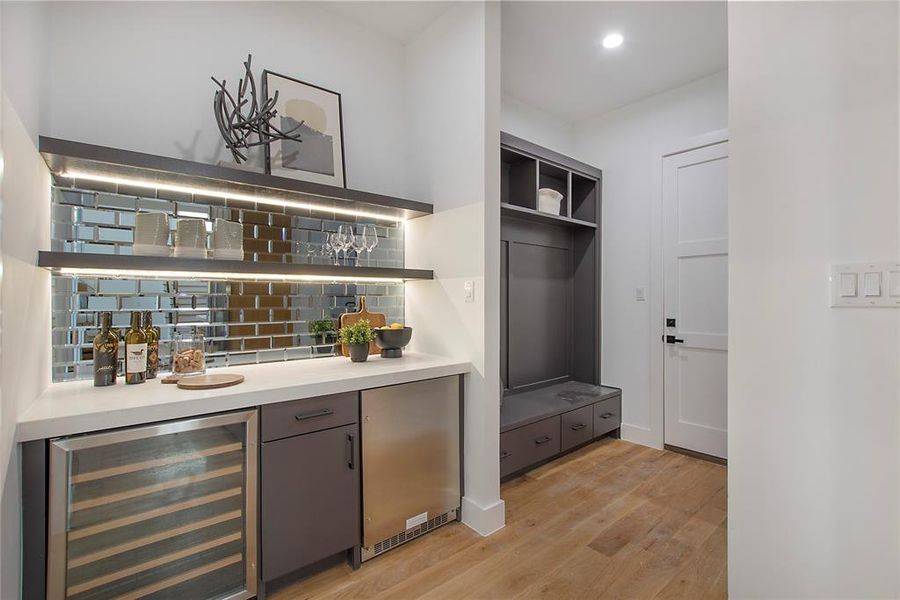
x,y
319,157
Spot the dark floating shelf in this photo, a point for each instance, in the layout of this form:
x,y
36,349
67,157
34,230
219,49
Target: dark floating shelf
x,y
63,156
530,214
120,265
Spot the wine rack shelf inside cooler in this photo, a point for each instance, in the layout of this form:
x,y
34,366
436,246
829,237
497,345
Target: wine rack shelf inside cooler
x,y
155,512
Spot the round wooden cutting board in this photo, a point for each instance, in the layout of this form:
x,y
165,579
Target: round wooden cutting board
x,y
209,382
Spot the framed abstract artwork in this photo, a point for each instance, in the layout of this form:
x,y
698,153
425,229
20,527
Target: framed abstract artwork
x,y
314,113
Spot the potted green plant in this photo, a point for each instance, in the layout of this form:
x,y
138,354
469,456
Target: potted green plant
x,y
357,337
323,330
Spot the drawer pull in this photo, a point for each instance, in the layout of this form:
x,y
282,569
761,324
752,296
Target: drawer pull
x,y
607,415
578,426
505,454
312,415
542,440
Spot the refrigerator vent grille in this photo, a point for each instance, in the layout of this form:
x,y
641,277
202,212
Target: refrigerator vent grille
x,y
415,532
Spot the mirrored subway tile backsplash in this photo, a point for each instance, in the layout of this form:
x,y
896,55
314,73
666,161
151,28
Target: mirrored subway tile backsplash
x,y
243,321
103,223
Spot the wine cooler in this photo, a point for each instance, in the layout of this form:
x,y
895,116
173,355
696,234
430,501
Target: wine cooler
x,y
159,511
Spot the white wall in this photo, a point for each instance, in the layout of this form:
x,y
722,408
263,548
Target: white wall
x,y
623,143
532,124
136,75
813,391
452,69
24,289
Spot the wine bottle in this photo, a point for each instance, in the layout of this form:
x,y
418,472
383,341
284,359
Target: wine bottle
x,y
106,353
152,334
135,351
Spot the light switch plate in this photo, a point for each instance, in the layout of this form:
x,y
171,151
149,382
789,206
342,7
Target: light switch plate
x,y
469,290
865,285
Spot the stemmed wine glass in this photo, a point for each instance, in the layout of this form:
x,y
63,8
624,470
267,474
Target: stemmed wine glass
x,y
370,240
346,233
336,243
358,242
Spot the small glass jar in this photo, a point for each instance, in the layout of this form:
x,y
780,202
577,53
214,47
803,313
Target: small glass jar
x,y
189,356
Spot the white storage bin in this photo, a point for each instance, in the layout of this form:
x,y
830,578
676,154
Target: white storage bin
x,y
549,201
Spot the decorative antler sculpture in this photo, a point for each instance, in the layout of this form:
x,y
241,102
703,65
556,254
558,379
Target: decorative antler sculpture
x,y
242,119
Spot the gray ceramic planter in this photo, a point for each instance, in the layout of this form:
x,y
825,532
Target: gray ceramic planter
x,y
359,352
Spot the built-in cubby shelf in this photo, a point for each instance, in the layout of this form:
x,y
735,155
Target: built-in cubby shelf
x,y
537,216
527,167
583,195
127,266
131,170
519,177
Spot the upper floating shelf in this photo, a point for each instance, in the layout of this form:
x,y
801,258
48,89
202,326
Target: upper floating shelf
x,y
120,265
136,169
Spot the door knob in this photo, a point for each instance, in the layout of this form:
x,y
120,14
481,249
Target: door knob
x,y
671,339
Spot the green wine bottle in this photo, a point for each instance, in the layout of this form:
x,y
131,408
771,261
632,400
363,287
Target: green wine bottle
x,y
106,353
152,334
135,351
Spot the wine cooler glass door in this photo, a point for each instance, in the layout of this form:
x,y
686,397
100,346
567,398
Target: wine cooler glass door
x,y
162,511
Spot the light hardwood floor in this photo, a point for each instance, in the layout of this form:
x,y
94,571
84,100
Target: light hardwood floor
x,y
612,520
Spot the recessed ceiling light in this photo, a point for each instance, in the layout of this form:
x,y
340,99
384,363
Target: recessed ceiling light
x,y
613,40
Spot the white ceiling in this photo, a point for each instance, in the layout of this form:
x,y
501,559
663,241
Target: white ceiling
x,y
401,21
552,58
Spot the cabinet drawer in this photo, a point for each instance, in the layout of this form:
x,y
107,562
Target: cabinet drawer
x,y
607,415
577,427
310,414
527,445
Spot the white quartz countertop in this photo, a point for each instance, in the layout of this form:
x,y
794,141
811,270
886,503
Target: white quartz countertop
x,y
79,407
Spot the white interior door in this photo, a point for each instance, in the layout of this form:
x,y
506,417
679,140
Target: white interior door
x,y
695,271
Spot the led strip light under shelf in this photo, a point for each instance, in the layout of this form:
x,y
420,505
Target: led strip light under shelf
x,y
220,276
224,195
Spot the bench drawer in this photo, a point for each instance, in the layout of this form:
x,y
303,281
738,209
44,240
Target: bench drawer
x,y
528,445
577,427
607,415
308,415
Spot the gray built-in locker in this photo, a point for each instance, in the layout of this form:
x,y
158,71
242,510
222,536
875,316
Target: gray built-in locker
x,y
550,305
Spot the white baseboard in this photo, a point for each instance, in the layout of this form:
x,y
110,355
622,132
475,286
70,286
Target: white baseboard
x,y
483,520
640,435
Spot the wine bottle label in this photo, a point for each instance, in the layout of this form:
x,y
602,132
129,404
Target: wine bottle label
x,y
135,358
152,359
105,365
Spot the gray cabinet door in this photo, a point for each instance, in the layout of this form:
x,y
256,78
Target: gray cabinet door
x,y
310,499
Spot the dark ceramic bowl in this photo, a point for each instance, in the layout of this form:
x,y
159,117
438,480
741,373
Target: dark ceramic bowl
x,y
392,341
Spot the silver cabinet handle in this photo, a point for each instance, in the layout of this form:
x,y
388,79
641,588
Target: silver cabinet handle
x,y
578,426
312,415
505,454
607,415
542,440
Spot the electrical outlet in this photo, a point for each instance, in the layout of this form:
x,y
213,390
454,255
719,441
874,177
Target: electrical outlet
x,y
469,287
639,294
